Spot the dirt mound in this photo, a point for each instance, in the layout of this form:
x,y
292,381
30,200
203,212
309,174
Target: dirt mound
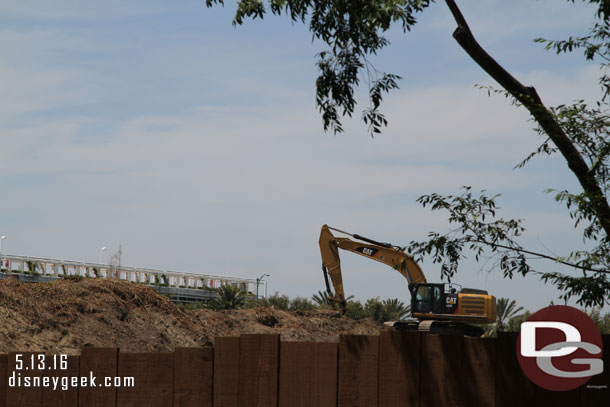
x,y
319,326
66,315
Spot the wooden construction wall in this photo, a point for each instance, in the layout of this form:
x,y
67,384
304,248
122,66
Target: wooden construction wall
x,y
393,369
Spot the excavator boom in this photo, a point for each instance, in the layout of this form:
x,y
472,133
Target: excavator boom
x,y
382,252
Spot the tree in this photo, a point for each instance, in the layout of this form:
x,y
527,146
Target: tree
x,y
395,310
227,297
301,304
33,267
355,310
373,308
505,311
514,323
277,301
321,298
377,309
385,310
353,31
602,322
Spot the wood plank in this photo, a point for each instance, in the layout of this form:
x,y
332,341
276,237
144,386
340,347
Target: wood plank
x,y
99,362
61,393
258,370
19,393
3,379
153,373
513,388
399,368
358,370
193,377
324,369
295,370
226,372
308,374
596,391
545,397
479,364
441,370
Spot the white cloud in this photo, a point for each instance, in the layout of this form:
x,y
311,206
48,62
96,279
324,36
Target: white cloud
x,y
243,187
557,88
82,9
495,21
29,91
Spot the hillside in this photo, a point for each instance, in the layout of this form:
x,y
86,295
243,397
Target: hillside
x,y
66,315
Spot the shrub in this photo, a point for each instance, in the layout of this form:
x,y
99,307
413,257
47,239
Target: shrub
x,y
301,304
381,311
193,306
276,301
355,310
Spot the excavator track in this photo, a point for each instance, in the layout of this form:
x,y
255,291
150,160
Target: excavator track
x,y
437,327
450,328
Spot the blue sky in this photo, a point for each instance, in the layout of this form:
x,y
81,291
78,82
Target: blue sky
x,y
197,145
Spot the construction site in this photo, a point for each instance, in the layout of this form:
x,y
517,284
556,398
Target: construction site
x,y
181,184
249,357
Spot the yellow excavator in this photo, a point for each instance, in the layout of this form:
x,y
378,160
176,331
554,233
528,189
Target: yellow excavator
x,y
442,308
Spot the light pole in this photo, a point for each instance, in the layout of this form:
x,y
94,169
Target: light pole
x,y
258,281
1,254
101,250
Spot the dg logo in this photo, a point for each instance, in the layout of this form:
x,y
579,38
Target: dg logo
x,y
560,348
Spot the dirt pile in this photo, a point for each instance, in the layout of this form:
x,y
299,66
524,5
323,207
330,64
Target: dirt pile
x,y
66,315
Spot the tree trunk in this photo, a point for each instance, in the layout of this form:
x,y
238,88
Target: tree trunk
x,y
529,98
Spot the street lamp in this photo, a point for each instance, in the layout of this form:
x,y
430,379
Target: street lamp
x,y
1,255
101,250
258,281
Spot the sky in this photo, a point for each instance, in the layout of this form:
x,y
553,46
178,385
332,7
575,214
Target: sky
x,y
197,146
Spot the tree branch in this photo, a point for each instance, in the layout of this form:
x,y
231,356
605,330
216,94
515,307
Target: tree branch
x,y
545,256
529,98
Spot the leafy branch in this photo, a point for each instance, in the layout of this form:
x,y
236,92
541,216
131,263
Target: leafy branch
x,y
352,30
480,232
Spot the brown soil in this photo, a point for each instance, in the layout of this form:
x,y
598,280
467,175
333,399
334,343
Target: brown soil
x,y
66,315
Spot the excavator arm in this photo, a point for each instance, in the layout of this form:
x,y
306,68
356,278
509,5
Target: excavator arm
x,y
385,253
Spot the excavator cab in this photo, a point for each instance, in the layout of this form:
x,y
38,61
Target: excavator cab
x,y
426,298
433,298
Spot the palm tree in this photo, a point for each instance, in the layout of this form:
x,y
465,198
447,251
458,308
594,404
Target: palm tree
x,y
228,297
321,298
395,309
505,310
